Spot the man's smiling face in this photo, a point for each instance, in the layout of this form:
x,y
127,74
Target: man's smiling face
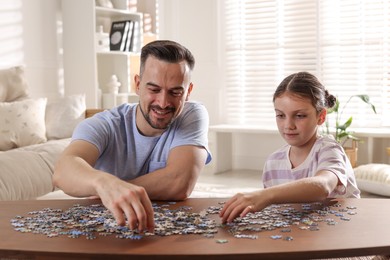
x,y
163,89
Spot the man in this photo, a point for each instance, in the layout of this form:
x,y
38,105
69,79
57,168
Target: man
x,y
136,152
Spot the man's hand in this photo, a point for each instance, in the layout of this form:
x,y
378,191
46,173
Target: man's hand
x,y
127,201
75,176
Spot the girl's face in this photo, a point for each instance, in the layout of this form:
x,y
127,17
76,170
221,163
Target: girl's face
x,y
297,119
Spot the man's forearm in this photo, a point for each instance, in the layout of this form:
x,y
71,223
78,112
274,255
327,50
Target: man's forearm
x,y
75,177
161,185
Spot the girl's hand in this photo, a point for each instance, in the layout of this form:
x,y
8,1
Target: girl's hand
x,y
241,204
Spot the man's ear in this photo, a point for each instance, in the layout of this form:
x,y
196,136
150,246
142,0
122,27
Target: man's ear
x,y
137,81
322,117
189,91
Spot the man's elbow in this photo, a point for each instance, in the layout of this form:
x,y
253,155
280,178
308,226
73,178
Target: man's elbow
x,y
58,176
186,193
56,179
181,193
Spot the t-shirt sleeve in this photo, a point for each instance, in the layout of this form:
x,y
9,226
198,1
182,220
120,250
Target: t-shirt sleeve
x,y
193,128
94,130
332,158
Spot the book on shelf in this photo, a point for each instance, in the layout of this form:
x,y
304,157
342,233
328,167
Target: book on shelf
x,y
129,37
123,36
135,37
118,35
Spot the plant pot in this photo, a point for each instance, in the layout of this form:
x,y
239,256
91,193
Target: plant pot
x,y
351,153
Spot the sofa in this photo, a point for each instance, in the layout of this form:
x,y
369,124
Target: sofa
x,y
33,133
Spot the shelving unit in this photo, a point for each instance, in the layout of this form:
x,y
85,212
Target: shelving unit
x,y
88,68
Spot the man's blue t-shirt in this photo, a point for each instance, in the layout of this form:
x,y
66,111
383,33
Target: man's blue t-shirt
x,y
126,153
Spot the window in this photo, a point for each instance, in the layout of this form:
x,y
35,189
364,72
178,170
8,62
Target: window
x,y
345,43
11,30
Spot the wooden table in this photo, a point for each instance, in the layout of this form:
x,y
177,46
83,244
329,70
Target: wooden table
x,y
367,233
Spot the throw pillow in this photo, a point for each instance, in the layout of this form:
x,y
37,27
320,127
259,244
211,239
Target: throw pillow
x,y
373,178
62,116
13,84
22,123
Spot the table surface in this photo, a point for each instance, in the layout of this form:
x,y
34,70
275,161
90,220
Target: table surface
x,y
367,233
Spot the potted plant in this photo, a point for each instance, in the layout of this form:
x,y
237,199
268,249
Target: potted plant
x,y
342,134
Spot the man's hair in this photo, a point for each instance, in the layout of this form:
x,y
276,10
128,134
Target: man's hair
x,y
168,51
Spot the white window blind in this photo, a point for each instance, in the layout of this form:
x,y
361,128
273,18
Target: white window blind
x,y
11,33
345,43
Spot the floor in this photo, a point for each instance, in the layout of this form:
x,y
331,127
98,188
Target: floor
x,y
229,183
236,178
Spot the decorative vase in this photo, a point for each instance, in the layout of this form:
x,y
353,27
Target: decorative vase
x,y
113,85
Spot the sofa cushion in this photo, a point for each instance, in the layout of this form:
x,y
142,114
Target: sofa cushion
x,y
22,123
26,173
13,84
373,178
63,114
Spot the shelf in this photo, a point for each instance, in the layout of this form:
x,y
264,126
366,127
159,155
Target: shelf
x,y
111,12
88,64
111,100
127,95
119,53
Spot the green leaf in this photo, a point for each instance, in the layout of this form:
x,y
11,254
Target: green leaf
x,y
366,99
346,124
342,135
350,136
341,129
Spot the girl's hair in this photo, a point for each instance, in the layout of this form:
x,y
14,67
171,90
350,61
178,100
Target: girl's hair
x,y
168,51
306,85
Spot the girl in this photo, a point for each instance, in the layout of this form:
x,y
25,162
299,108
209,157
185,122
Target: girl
x,y
310,167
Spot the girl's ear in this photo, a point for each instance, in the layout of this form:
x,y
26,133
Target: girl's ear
x,y
322,117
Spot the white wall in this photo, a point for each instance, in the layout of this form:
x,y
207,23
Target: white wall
x,y
30,38
42,57
194,23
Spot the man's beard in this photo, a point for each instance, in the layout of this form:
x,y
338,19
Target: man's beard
x,y
149,120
